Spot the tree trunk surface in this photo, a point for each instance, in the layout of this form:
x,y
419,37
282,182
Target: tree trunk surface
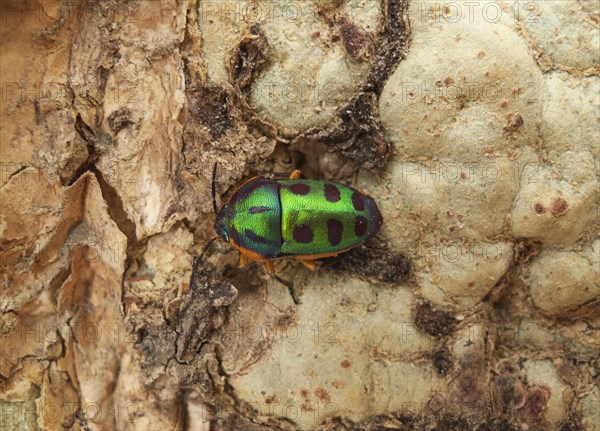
x,y
474,126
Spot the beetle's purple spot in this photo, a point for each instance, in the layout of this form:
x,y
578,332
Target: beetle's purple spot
x,y
258,210
300,189
234,235
332,193
244,191
357,201
252,236
334,231
303,234
374,214
360,226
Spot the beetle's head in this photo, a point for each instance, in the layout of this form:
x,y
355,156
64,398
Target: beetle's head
x,y
221,223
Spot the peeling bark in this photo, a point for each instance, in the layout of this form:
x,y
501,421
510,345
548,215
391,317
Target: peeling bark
x,y
113,115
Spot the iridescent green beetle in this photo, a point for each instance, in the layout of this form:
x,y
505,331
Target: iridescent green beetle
x,y
269,219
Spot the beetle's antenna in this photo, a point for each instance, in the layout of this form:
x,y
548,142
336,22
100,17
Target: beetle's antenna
x,y
214,188
198,259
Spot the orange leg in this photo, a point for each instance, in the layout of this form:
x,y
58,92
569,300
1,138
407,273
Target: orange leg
x,y
269,266
310,264
295,174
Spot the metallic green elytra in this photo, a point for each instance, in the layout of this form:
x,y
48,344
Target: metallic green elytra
x,y
306,219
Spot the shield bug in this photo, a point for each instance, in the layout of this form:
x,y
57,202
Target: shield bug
x,y
302,219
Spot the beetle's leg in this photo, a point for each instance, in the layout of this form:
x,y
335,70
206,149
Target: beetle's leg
x,y
289,286
269,266
243,259
295,174
310,264
230,270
